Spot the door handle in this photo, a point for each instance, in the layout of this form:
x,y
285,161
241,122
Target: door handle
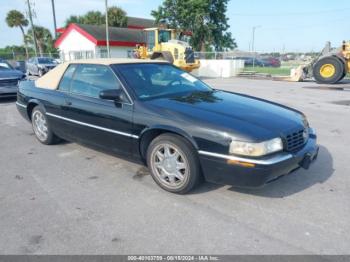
x,y
68,103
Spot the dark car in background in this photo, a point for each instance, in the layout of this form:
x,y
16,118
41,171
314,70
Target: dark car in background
x,y
40,65
250,61
271,62
177,125
9,79
20,65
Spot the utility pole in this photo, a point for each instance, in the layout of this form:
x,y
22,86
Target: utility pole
x,y
107,32
54,17
253,41
32,26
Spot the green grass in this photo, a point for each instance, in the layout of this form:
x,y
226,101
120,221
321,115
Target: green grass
x,y
285,71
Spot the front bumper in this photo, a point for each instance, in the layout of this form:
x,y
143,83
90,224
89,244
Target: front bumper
x,y
22,109
257,172
8,91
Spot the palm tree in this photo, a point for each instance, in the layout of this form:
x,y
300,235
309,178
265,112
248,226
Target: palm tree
x,y
117,17
74,19
94,18
44,38
15,18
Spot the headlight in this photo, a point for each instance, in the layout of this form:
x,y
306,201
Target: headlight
x,y
256,149
305,121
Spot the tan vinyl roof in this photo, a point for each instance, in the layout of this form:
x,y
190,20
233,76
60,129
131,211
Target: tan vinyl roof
x,y
52,78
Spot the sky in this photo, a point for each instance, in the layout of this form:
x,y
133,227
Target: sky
x,y
281,26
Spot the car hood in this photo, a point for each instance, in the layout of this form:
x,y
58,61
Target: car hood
x,y
10,74
247,117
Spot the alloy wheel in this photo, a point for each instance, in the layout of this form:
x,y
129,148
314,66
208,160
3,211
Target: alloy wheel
x,y
169,165
40,125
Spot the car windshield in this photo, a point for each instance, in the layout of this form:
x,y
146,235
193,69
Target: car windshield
x,y
5,66
164,36
45,60
151,81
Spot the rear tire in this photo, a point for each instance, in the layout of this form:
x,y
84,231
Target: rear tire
x,y
328,70
173,163
41,127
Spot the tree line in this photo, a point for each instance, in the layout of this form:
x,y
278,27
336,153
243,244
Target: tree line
x,y
206,19
44,39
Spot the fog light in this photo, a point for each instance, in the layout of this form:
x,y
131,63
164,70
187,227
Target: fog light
x,y
240,163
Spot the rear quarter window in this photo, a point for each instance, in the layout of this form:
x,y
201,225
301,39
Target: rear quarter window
x,y
67,79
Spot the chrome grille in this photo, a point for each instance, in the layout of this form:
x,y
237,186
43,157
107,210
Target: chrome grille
x,y
9,82
296,140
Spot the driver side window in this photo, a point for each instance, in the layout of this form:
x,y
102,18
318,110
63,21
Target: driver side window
x,y
89,80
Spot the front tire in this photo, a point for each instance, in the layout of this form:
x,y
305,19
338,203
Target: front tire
x,y
41,127
343,76
173,163
328,70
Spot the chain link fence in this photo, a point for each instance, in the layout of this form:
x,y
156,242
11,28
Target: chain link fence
x,y
273,64
225,55
15,56
84,54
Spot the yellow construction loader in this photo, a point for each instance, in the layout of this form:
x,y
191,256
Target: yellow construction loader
x,y
167,44
330,67
333,66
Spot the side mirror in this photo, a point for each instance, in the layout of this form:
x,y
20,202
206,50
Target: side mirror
x,y
112,94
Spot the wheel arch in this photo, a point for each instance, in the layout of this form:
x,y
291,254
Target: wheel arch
x,y
150,133
30,106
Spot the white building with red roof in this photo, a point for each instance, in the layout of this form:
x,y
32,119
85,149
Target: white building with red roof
x,y
88,41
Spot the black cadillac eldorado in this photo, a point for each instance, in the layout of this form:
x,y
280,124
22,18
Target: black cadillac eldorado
x,y
181,128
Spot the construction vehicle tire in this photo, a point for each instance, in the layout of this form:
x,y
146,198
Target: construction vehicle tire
x,y
344,74
167,56
328,70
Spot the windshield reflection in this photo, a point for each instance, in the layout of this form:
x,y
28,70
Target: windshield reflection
x,y
198,97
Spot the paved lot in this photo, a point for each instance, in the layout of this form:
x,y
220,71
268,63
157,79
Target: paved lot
x,y
69,199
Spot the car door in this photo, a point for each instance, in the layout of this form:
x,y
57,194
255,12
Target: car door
x,y
32,66
36,66
29,64
97,121
57,109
